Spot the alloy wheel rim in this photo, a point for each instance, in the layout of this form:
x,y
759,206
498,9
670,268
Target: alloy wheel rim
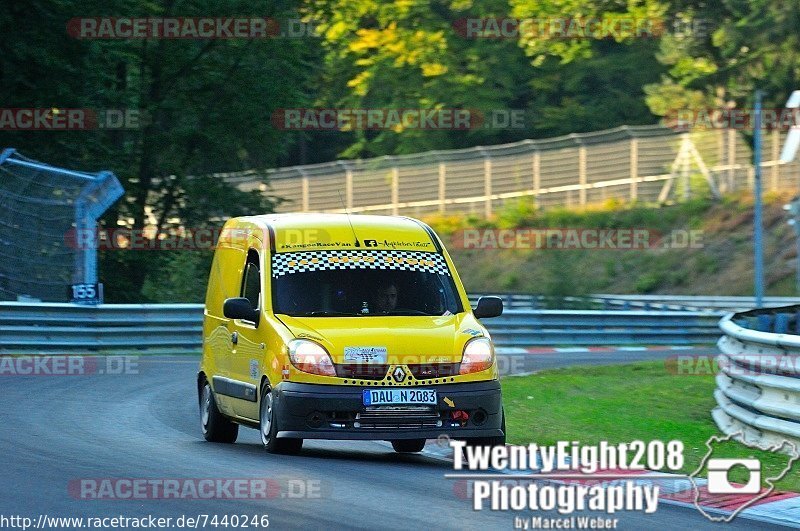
x,y
205,409
266,416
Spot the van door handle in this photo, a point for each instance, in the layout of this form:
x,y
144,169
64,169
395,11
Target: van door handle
x,y
235,338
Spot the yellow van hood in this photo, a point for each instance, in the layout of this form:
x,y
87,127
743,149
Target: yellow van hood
x,y
407,339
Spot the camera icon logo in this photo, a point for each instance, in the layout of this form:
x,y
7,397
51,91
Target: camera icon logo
x,y
718,482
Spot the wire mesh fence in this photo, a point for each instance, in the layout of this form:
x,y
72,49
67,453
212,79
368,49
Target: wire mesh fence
x,y
629,163
44,210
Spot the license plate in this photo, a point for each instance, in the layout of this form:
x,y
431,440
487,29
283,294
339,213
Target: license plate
x,y
379,397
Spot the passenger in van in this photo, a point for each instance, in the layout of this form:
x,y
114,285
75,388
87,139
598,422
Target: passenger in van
x,y
384,299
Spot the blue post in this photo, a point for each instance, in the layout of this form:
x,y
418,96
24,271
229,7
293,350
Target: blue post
x,y
758,229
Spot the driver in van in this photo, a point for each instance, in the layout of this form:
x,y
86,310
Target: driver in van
x,y
384,299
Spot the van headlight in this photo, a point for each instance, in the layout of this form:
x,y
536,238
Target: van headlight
x,y
311,357
478,355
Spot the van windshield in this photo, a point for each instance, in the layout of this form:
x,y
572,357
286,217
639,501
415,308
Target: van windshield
x,y
362,284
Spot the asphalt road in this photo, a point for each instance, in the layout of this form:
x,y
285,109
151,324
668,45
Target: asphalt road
x,y
59,430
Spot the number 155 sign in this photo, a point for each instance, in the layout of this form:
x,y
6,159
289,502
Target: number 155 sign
x,y
86,293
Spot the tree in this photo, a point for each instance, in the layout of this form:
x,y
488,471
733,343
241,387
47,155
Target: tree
x,y
205,107
732,48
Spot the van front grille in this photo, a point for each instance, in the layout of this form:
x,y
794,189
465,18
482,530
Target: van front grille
x,y
362,371
422,371
398,418
427,371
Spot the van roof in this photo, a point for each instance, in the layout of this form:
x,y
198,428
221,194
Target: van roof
x,y
310,231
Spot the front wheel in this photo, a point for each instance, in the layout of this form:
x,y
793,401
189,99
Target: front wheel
x,y
269,429
408,446
216,428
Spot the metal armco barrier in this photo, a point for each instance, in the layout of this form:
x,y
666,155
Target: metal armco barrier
x,y
113,328
758,386
643,302
70,328
522,328
688,302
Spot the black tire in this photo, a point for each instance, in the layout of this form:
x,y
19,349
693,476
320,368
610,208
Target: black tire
x,y
268,427
216,427
408,446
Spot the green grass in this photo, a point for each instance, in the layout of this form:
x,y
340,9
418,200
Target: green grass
x,y
621,403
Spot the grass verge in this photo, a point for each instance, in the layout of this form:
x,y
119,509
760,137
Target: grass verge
x,y
621,403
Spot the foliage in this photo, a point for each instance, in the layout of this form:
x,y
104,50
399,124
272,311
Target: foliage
x,y
733,48
206,105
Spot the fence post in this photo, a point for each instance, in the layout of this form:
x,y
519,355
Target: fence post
x,y
537,176
776,155
395,190
442,186
582,175
720,134
731,158
304,192
685,177
634,163
487,183
348,188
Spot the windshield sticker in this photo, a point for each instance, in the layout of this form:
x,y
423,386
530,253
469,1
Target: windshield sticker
x,y
365,354
288,263
395,243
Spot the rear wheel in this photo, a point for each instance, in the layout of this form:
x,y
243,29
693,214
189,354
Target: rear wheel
x,y
408,446
216,428
269,429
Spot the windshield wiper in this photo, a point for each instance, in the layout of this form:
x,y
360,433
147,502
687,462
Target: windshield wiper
x,y
404,311
324,313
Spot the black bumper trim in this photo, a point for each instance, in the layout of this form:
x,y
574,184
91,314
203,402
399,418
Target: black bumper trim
x,y
296,403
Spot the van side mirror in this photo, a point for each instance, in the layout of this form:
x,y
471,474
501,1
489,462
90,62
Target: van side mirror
x,y
239,308
488,307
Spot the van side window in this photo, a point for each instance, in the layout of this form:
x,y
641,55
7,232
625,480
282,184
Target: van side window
x,y
251,283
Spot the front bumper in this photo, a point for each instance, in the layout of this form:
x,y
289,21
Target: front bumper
x,y
311,411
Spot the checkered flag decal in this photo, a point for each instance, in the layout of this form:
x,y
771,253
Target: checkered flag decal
x,y
287,263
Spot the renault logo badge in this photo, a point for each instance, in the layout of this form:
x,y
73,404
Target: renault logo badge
x,y
399,374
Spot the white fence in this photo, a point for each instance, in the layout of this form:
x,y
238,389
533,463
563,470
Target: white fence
x,y
630,163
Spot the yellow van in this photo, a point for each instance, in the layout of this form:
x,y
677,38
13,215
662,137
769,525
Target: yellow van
x,y
335,326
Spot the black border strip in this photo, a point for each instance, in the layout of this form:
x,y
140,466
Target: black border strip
x,y
235,388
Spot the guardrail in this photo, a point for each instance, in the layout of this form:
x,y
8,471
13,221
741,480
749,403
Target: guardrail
x,y
689,302
640,302
758,385
177,328
590,327
72,328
